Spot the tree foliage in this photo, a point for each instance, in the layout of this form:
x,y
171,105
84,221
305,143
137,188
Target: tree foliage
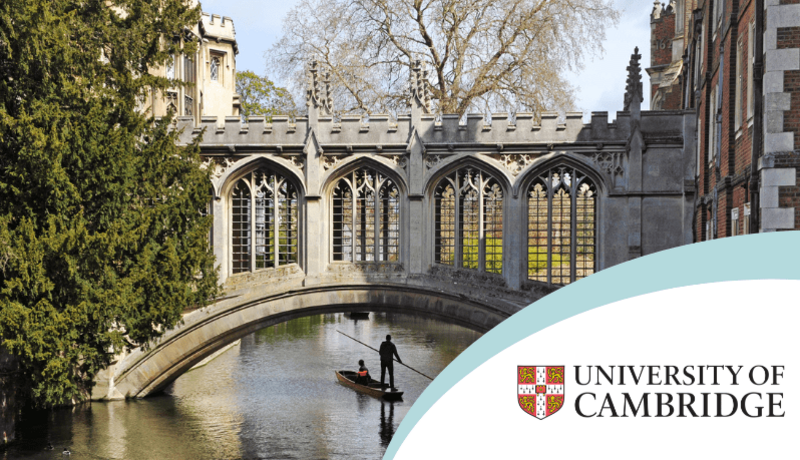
x,y
261,97
103,241
481,54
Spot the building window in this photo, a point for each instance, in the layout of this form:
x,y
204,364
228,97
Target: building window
x,y
734,221
264,210
739,76
366,218
468,221
562,226
171,68
712,130
751,57
746,229
216,62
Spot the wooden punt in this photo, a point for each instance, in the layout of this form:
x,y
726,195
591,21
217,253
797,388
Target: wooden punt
x,y
373,389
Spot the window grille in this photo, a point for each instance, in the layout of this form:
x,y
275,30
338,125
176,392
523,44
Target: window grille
x,y
468,221
562,226
265,218
188,106
366,218
214,71
241,227
746,223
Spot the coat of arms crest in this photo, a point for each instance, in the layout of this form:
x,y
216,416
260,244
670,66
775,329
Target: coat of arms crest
x,y
540,389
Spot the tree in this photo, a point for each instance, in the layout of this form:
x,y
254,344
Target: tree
x,y
260,97
481,54
103,241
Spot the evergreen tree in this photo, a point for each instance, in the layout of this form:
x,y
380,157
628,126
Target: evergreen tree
x,y
103,238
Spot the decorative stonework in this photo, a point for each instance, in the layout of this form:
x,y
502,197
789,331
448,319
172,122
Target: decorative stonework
x,y
400,160
515,164
609,162
366,267
332,161
219,166
298,162
433,160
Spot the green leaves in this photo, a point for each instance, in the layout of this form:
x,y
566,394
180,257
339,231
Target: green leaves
x,y
260,97
103,238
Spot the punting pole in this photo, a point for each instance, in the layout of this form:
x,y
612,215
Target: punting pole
x,y
398,362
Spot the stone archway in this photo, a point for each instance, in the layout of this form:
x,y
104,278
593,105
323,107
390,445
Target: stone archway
x,y
205,331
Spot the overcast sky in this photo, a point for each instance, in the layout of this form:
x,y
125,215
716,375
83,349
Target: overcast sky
x,y
601,82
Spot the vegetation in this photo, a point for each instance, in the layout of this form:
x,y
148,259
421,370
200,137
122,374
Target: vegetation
x,y
103,239
505,55
260,97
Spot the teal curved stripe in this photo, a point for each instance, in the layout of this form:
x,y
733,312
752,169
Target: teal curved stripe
x,y
751,257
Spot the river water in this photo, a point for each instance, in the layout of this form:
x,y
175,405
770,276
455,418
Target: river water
x,y
274,396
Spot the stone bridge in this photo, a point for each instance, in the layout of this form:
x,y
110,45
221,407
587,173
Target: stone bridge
x,y
466,219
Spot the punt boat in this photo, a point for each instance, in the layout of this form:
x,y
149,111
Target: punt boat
x,y
373,389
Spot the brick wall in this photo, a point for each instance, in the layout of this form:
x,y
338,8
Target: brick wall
x,y
789,197
662,33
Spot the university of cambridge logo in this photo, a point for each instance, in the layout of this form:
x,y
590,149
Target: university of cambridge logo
x,y
540,389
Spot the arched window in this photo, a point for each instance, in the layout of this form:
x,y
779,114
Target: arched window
x,y
562,226
468,221
264,221
366,218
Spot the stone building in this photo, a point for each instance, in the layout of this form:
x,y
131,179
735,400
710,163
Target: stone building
x,y
211,72
511,200
737,64
466,219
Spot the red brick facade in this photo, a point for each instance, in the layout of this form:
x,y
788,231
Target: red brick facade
x,y
720,79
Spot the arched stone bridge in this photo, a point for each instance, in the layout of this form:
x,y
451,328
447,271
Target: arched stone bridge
x,y
466,222
248,308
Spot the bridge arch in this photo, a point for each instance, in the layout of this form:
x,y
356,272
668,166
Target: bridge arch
x,y
205,331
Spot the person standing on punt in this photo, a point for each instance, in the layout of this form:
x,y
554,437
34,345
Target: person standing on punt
x,y
387,351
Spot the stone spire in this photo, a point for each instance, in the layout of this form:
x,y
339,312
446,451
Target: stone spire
x,y
633,90
318,94
657,8
420,87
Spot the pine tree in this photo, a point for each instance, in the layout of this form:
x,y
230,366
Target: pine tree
x,y
103,238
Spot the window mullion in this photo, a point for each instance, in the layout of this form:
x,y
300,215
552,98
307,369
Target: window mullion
x,y
354,219
457,263
276,222
549,182
481,225
253,239
573,234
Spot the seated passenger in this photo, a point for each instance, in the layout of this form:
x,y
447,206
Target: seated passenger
x,y
363,377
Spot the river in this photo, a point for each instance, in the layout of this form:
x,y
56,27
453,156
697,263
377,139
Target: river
x,y
274,396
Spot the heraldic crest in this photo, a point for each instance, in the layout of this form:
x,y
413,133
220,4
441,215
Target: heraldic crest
x,y
540,389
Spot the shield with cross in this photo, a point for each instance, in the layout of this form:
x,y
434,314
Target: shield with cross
x,y
540,389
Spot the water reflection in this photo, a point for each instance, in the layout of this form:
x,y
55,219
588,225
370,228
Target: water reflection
x,y
387,424
274,396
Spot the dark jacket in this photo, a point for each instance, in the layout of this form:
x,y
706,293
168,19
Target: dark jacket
x,y
387,351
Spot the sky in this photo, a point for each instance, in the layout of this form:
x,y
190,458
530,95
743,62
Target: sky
x,y
601,83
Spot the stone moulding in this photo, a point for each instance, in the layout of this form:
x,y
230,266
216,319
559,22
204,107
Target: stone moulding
x,y
365,267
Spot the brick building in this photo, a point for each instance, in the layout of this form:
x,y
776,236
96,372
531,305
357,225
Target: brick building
x,y
737,63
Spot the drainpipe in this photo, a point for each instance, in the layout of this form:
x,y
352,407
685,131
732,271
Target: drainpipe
x,y
758,114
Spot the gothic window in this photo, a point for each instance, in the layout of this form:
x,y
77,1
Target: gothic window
x,y
562,226
366,218
468,221
215,65
264,221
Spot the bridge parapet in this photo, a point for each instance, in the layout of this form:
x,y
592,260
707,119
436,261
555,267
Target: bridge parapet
x,y
257,300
